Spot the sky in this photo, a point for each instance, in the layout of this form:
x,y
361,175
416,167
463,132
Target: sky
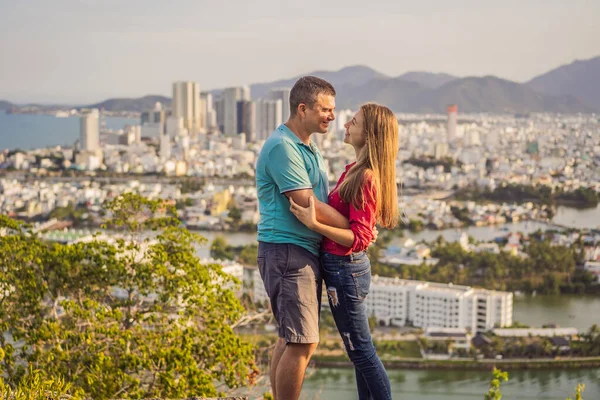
x,y
77,52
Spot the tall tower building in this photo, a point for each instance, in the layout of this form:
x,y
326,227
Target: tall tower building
x,y
269,116
186,105
89,130
247,119
451,125
210,118
231,96
219,104
282,94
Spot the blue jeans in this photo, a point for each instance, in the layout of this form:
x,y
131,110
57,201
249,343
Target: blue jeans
x,y
347,279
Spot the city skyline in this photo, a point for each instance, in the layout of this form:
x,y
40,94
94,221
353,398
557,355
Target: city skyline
x,y
94,50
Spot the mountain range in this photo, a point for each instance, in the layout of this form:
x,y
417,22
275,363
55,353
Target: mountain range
x,y
567,89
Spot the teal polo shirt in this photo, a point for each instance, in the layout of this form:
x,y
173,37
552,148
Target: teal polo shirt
x,y
286,164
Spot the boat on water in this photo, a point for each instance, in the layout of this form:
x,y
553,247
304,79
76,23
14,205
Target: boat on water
x,y
62,114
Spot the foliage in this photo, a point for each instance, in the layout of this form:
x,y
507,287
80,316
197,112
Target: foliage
x,y
461,214
220,250
430,162
248,254
578,392
136,316
542,194
191,185
547,268
69,212
34,386
235,215
494,392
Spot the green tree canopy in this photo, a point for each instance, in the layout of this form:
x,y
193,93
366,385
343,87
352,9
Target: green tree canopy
x,y
132,316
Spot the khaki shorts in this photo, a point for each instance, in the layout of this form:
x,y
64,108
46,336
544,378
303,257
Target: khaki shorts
x,y
292,278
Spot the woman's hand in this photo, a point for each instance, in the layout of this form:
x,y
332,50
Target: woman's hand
x,y
306,215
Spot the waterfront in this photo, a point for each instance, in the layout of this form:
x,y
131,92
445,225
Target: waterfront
x,y
31,131
339,384
579,312
579,218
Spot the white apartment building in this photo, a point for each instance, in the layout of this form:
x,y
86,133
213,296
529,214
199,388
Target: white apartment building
x,y
187,105
399,302
89,130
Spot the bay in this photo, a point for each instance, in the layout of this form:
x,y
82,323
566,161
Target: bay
x,y
32,131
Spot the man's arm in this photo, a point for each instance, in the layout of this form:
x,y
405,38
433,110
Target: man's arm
x,y
325,213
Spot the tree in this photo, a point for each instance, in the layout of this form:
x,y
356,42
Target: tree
x,y
578,391
135,317
494,392
235,214
220,250
248,254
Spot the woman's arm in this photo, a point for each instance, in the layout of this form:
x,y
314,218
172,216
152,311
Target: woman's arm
x,y
307,215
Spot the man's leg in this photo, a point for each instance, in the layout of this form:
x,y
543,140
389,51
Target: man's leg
x,y
275,358
291,369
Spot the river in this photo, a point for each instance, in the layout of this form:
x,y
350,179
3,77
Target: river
x,y
339,384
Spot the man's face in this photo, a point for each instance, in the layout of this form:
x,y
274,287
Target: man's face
x,y
321,114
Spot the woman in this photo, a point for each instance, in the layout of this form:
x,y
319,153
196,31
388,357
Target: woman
x,y
366,193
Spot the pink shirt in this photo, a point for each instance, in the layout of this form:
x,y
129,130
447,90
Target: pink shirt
x,y
361,221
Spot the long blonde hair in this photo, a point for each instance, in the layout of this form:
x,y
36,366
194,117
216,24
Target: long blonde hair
x,y
377,161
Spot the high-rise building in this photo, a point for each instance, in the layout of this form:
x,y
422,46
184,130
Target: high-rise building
x,y
231,96
451,125
89,130
210,119
219,104
187,105
268,117
282,94
174,127
246,113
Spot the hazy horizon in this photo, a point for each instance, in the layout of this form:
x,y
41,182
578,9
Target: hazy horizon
x,y
81,52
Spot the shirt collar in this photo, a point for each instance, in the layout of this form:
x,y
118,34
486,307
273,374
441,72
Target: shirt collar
x,y
291,135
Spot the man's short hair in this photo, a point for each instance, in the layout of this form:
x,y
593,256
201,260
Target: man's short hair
x,y
306,90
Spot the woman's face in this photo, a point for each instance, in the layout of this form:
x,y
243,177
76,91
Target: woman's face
x,y
355,133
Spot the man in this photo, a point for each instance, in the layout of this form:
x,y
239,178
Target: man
x,y
291,166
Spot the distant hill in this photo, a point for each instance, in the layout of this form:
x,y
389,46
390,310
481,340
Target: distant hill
x,y
420,92
581,79
350,76
492,94
427,79
124,104
472,94
392,92
5,105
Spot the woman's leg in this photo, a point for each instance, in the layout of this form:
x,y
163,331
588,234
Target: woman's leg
x,y
362,386
347,286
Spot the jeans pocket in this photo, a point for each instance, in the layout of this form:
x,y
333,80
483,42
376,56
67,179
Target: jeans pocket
x,y
362,282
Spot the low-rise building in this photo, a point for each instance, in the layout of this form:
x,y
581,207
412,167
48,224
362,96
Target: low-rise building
x,y
402,302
